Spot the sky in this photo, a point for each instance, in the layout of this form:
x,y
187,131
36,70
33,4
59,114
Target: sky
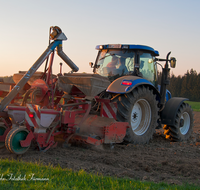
x,y
172,25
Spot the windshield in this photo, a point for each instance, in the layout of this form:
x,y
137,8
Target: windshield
x,y
115,63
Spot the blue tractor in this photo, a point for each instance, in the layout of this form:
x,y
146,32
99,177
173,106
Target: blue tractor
x,y
141,101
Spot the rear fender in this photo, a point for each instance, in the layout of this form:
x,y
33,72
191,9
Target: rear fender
x,y
118,88
168,115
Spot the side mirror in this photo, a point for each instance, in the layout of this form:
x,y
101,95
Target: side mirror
x,y
91,64
173,62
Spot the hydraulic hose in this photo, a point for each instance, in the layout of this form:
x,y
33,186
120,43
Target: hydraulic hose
x,y
66,59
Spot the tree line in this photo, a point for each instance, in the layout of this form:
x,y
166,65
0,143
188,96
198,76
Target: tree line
x,y
187,86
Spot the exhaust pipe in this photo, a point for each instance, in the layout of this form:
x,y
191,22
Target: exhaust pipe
x,y
66,59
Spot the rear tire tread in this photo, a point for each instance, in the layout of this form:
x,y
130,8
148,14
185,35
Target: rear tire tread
x,y
125,104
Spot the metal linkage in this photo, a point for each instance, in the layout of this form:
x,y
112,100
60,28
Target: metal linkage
x,y
58,37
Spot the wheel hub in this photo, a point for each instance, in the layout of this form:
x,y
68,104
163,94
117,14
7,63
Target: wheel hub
x,y
181,122
140,117
135,116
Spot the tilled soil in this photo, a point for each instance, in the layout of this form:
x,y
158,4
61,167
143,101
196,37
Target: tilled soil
x,y
159,161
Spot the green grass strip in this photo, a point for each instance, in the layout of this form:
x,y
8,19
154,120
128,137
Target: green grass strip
x,y
195,105
22,175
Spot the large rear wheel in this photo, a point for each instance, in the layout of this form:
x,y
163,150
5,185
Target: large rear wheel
x,y
183,127
13,139
140,109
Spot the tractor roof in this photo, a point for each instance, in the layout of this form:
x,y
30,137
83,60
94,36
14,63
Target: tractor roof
x,y
128,46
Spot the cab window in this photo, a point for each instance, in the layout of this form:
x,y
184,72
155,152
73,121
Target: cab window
x,y
147,67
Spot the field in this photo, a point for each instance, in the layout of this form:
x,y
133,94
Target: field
x,y
195,105
158,161
20,175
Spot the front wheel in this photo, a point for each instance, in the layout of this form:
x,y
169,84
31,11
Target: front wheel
x,y
183,126
140,109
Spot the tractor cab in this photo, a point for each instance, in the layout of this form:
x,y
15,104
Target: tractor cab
x,y
116,60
